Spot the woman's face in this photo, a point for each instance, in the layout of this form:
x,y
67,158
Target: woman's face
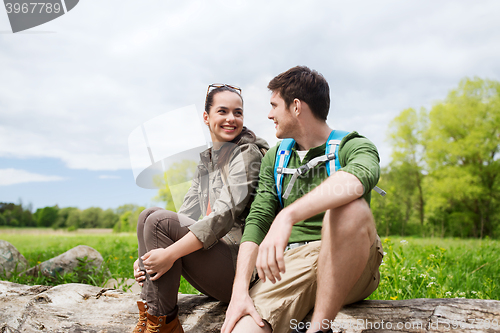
x,y
225,119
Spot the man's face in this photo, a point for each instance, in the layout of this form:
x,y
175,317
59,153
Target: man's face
x,y
282,117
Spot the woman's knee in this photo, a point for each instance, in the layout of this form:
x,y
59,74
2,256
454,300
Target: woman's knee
x,y
143,216
167,222
161,214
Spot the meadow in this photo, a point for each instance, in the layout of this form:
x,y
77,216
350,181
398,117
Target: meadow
x,y
119,251
412,267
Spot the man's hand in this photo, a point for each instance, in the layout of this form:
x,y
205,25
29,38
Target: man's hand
x,y
139,275
270,262
237,309
157,262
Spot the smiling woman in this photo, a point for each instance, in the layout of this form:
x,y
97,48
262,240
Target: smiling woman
x,y
220,192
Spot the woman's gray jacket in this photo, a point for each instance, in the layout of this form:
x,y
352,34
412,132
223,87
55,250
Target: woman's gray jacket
x,y
230,188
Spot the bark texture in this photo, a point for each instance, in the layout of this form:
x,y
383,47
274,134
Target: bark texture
x,y
84,308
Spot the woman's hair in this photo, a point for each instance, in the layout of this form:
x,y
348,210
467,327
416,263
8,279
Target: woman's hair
x,y
209,101
226,150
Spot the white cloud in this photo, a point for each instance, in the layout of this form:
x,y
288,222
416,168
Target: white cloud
x,y
77,94
15,176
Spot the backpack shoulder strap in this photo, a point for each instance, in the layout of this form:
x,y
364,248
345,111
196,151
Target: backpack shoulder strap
x,y
282,157
332,147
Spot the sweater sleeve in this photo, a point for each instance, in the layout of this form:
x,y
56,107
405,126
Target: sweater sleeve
x,y
265,206
359,157
242,174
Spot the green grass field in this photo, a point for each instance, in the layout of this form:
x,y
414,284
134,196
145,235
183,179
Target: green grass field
x,y
439,268
119,252
412,267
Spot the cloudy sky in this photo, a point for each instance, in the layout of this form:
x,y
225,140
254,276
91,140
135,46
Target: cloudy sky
x,y
74,89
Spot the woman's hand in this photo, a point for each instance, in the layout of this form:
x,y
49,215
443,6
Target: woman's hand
x,y
157,262
139,275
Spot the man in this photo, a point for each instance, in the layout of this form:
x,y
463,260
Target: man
x,y
326,220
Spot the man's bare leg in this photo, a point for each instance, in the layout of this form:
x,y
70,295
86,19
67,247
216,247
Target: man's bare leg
x,y
348,232
248,325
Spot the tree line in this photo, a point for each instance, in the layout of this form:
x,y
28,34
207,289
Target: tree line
x,y
121,219
443,177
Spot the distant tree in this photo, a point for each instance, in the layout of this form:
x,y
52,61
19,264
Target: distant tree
x,y
125,208
407,133
123,222
387,210
73,220
62,217
128,219
16,215
463,157
126,215
175,183
27,219
47,216
109,218
91,218
4,206
134,217
393,211
444,173
7,215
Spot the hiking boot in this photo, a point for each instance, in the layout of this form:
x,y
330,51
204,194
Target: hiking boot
x,y
140,327
158,325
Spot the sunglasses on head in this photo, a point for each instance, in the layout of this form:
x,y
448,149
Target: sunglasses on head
x,y
220,85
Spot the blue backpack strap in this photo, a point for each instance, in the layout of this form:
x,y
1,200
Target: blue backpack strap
x,y
282,157
332,145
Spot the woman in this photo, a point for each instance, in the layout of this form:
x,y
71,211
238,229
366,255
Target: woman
x,y
204,252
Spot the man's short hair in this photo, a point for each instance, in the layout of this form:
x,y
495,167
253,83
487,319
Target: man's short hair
x,y
306,85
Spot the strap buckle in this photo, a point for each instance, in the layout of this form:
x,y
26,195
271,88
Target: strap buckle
x,y
279,170
303,169
330,156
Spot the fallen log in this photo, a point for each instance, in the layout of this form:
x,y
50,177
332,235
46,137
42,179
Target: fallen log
x,y
83,308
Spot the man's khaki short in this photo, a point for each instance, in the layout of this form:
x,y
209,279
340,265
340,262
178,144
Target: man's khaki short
x,y
294,296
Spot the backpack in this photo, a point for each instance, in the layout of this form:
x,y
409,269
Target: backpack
x,y
331,157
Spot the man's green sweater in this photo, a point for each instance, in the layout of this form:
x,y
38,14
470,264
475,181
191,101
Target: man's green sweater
x,y
357,155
